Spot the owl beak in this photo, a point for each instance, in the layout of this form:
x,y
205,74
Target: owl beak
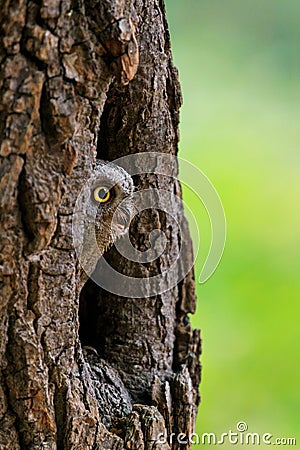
x,y
123,222
122,229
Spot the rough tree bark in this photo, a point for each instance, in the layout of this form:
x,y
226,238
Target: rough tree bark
x,y
72,90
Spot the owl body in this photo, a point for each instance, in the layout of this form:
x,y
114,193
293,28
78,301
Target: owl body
x,y
103,213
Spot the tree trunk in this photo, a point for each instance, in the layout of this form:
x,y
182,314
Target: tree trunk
x,y
72,90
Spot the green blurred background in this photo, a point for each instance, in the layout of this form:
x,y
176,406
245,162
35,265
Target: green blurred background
x,y
239,65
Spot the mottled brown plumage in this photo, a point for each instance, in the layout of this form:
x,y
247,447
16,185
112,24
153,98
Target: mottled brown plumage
x,y
99,223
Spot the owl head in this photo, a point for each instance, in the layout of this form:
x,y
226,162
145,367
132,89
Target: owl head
x,y
104,210
111,190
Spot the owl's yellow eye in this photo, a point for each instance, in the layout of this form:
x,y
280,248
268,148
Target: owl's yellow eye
x,y
101,194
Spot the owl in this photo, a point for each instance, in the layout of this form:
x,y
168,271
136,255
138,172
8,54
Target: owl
x,y
103,213
104,210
